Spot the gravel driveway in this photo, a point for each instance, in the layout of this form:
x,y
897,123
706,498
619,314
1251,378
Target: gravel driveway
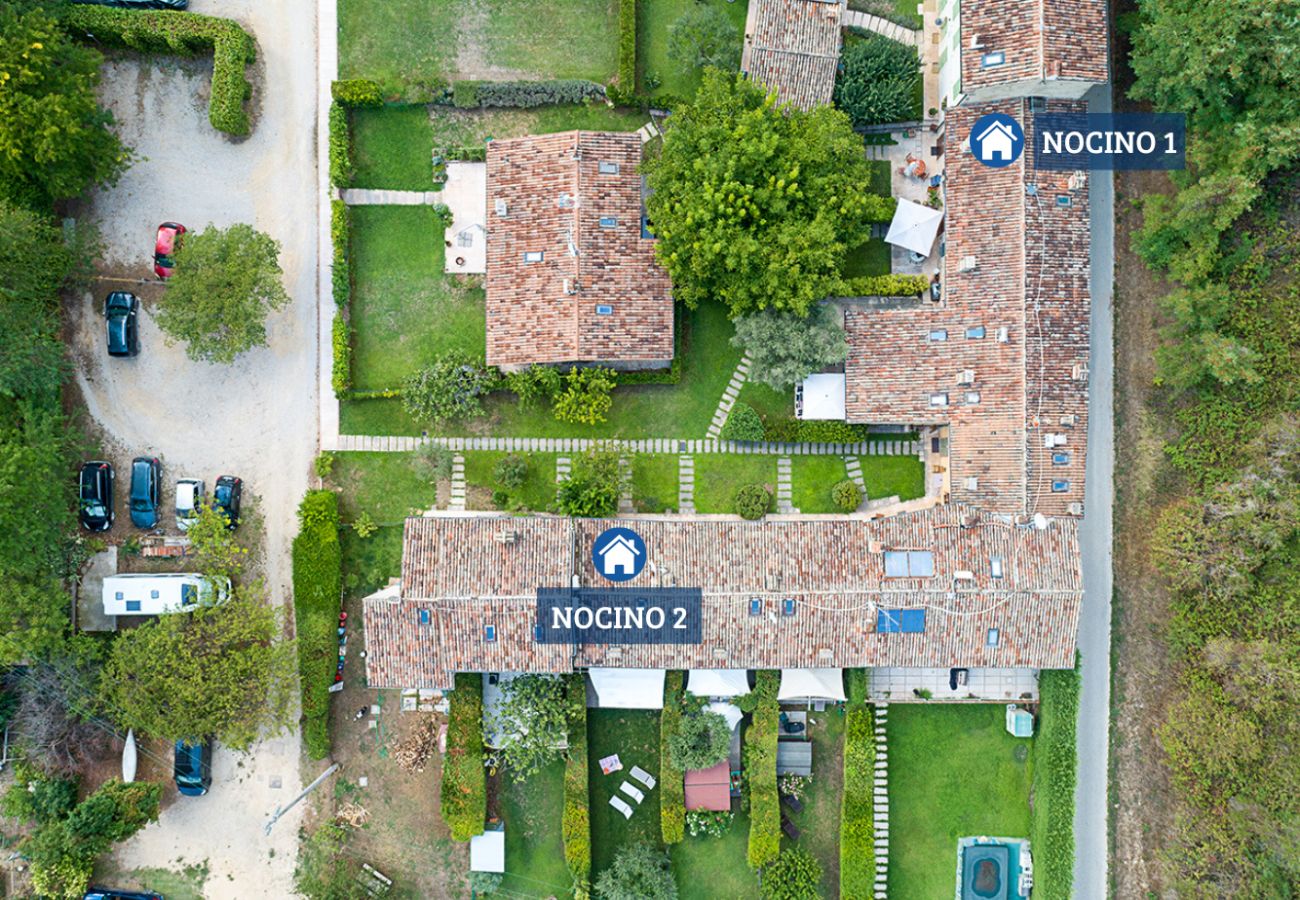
x,y
256,418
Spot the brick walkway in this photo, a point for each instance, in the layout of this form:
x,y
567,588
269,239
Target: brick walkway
x,y
686,484
402,444
729,398
892,30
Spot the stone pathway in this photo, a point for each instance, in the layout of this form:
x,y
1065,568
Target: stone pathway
x,y
784,488
457,483
562,467
373,197
729,398
686,484
402,444
854,468
892,30
881,792
648,132
625,486
878,151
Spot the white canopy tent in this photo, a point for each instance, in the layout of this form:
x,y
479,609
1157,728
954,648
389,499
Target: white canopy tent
x,y
628,688
717,682
914,227
728,711
487,852
811,684
822,397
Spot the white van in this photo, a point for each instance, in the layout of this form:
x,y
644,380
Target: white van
x,y
151,595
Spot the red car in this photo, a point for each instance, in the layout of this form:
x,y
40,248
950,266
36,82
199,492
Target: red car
x,y
168,242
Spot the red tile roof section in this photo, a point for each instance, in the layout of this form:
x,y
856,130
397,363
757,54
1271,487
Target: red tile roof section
x,y
793,47
1041,39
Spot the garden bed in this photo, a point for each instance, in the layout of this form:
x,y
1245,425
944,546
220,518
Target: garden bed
x,y
537,493
812,478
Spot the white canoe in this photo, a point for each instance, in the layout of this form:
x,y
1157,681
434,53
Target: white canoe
x,y
129,758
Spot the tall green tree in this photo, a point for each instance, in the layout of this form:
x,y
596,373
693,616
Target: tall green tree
x,y
704,36
639,872
878,80
784,349
226,282
531,722
55,139
755,206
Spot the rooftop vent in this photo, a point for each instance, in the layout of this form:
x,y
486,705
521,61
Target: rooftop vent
x,y
964,575
826,655
570,287
1069,421
972,483
1075,509
972,398
501,207
1004,334
967,376
1079,372
506,536
1051,440
967,264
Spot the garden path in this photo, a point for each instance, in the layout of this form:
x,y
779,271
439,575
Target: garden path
x,y
729,397
686,485
892,30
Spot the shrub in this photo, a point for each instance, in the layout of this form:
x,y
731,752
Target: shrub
x,y
586,398
760,771
796,875
451,388
876,84
357,92
591,490
885,286
627,15
183,34
704,36
710,822
36,797
464,781
672,787
639,872
523,94
532,384
341,240
317,598
743,424
1055,757
753,501
576,822
702,740
783,349
857,806
781,431
325,464
511,471
829,432
341,339
846,496
341,168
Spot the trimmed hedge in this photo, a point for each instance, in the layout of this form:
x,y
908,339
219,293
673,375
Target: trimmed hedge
x,y
356,92
743,424
464,780
341,338
672,780
760,772
523,94
1055,758
576,823
814,431
752,501
627,13
341,168
317,599
184,34
341,239
857,809
886,286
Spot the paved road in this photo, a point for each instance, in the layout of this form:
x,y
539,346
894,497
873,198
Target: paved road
x,y
1090,814
256,418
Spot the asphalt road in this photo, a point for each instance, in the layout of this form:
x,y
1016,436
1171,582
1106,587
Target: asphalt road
x,y
1090,811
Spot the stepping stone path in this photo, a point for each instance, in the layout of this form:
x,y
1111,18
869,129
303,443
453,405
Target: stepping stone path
x,y
686,484
625,486
882,802
783,486
854,468
648,132
371,197
892,30
563,465
457,483
728,399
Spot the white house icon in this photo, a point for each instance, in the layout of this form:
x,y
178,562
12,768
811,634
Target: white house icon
x,y
618,556
996,140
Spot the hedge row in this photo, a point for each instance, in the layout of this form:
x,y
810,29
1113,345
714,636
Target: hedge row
x,y
672,780
317,599
760,772
341,280
814,431
886,286
341,168
464,780
355,92
185,34
1055,759
576,823
627,13
857,809
523,94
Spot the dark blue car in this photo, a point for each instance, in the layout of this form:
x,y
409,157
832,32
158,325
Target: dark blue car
x,y
122,312
103,893
193,767
146,487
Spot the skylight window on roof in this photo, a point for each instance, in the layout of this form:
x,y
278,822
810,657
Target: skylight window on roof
x,y
939,334
992,638
755,607
1062,199
1060,486
938,400
533,256
900,621
607,168
604,309
1061,459
489,633
425,618
608,222
995,567
993,60
909,564
787,607
975,332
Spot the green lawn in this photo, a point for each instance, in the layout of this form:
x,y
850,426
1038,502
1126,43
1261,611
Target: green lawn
x,y
634,735
388,486
881,177
718,477
370,562
710,867
654,482
532,810
396,42
953,772
405,310
871,258
536,493
392,147
470,128
771,404
812,478
819,823
655,21
887,476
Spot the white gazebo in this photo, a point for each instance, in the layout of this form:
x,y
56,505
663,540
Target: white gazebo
x,y
914,227
628,688
717,682
821,396
811,684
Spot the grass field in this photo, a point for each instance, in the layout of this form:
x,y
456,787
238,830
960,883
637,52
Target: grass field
x,y
710,867
768,403
953,772
395,42
536,493
654,482
887,476
470,128
717,478
811,480
634,735
871,258
405,310
532,810
881,182
819,823
388,486
656,19
392,147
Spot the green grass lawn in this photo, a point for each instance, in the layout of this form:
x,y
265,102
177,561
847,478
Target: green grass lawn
x,y
634,735
549,38
470,128
819,823
531,810
889,475
388,486
812,478
871,258
953,772
771,404
710,867
405,310
655,21
396,42
392,147
654,482
718,477
536,493
881,177
369,562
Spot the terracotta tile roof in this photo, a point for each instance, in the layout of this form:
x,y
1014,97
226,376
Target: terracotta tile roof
x,y
1043,41
555,196
793,48
470,571
1023,377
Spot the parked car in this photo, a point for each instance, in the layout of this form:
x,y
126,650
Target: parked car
x,y
122,312
226,497
189,497
95,496
103,893
193,767
170,236
146,488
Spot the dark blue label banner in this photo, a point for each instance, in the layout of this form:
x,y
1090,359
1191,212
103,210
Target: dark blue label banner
x,y
619,616
1101,141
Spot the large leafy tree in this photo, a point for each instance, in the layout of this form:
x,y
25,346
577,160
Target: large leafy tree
x,y
755,206
701,740
55,139
877,81
704,36
785,349
639,872
227,281
220,670
531,722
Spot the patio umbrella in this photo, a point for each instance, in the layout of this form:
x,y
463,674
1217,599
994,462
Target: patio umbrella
x,y
914,227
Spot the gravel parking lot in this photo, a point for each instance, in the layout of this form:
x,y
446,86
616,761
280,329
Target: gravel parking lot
x,y
256,418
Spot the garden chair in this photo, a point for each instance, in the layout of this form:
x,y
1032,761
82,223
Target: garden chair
x,y
618,804
644,777
626,787
790,800
788,827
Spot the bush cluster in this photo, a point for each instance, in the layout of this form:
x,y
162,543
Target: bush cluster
x,y
846,495
464,780
341,168
185,34
341,240
357,92
885,286
341,340
814,431
753,501
627,13
1052,820
857,807
451,387
760,771
586,398
576,822
523,94
317,599
672,785
743,424
462,153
